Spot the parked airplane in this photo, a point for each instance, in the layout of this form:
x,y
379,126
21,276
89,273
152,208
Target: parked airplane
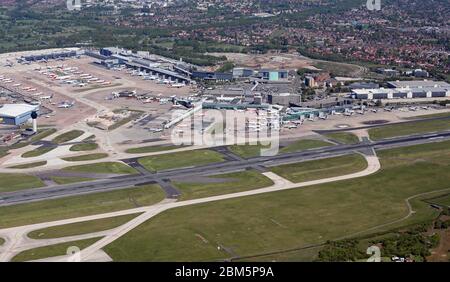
x,y
66,105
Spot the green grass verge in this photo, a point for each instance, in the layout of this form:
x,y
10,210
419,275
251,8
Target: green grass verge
x,y
250,151
233,182
80,228
439,115
287,219
180,159
343,137
441,201
30,165
68,136
13,181
37,152
84,147
69,180
323,168
106,167
404,129
88,157
247,151
77,206
52,251
152,149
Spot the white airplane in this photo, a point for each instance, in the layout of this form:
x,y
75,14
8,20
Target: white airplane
x,y
177,85
66,105
46,97
64,77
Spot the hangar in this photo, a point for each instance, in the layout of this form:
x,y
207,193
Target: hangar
x,y
16,114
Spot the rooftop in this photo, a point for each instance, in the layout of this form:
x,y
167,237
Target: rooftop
x,y
418,84
14,110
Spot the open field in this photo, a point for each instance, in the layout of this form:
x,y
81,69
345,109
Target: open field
x,y
12,182
52,251
81,227
403,129
68,136
37,152
152,149
68,180
290,219
250,151
88,157
324,168
442,201
107,167
77,206
84,147
343,137
30,165
180,159
232,182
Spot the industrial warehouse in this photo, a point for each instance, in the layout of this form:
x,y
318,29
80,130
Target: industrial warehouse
x,y
405,90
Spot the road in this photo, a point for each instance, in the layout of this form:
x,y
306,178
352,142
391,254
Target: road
x,y
18,241
127,181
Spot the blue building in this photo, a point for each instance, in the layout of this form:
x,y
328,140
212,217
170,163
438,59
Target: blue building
x,y
16,114
273,75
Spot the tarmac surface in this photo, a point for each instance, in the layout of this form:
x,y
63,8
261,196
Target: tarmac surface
x,y
129,181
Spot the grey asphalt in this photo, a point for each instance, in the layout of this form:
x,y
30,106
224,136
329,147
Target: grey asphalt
x,y
121,182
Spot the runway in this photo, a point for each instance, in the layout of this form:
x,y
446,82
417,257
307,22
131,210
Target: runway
x,y
129,181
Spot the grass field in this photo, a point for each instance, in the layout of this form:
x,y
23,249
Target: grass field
x,y
52,251
79,228
180,159
152,149
84,147
439,115
343,137
83,205
324,168
37,152
442,201
292,218
68,180
403,129
2,241
250,151
233,182
88,157
106,167
68,136
30,165
13,181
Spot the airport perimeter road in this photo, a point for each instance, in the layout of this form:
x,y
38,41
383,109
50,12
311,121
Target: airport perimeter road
x,y
50,192
17,240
